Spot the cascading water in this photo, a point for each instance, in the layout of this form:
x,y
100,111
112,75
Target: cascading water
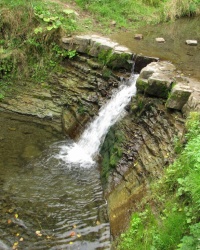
x,y
84,151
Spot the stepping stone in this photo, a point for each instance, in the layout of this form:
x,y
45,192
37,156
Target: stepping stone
x,y
191,42
160,40
138,36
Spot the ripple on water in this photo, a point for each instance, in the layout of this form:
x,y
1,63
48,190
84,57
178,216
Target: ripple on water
x,y
65,204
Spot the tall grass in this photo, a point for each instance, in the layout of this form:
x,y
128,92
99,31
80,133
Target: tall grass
x,y
179,8
30,33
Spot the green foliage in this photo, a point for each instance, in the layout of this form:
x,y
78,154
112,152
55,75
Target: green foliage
x,y
191,241
176,196
30,34
50,20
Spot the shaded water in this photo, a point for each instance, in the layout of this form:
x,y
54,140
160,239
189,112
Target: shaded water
x,y
44,204
186,58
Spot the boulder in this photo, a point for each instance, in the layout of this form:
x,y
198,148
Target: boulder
x,y
178,96
156,79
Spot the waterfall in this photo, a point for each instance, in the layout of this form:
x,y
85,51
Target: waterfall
x,y
84,151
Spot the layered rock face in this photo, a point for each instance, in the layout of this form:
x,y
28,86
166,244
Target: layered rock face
x,y
155,119
148,132
71,98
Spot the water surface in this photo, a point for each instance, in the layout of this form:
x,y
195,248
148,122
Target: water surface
x,y
186,58
44,203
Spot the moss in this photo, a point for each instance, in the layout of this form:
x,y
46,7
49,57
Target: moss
x,y
111,151
104,56
142,85
120,60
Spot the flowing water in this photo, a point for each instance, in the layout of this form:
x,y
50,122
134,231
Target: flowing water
x,y
50,189
86,149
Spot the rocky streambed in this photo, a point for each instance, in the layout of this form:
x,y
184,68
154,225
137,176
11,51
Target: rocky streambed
x,y
138,147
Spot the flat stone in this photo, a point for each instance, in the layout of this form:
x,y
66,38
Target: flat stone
x,y
160,40
156,79
138,36
191,42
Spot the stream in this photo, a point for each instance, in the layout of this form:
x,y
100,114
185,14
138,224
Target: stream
x,y
50,189
185,58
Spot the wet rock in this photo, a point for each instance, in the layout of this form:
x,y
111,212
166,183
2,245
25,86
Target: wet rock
x,y
156,79
179,96
191,42
160,40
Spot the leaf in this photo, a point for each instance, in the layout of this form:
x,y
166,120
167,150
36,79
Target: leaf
x,y
68,11
71,243
98,222
79,235
47,19
15,245
21,239
16,216
9,221
72,234
50,27
38,233
38,30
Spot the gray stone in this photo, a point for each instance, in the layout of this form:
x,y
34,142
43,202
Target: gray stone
x,y
193,103
178,96
156,79
191,42
160,40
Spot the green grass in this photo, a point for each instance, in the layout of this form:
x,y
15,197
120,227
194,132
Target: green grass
x,y
172,221
30,38
133,13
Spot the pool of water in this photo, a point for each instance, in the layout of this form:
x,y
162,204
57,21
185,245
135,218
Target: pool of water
x,y
45,203
186,58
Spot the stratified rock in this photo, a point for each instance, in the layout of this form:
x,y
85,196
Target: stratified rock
x,y
156,79
160,40
191,42
178,96
138,36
